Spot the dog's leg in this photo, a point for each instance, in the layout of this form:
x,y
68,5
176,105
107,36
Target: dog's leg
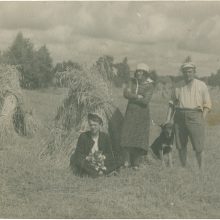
x,y
162,158
170,159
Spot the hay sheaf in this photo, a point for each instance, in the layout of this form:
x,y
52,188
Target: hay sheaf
x,y
88,92
15,119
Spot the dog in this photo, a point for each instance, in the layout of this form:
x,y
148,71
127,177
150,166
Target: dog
x,y
164,144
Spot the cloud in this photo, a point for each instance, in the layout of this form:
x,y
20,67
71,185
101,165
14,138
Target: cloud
x,y
122,22
159,33
203,37
23,15
37,15
134,22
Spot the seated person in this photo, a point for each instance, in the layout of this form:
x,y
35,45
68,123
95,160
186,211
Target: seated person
x,y
93,142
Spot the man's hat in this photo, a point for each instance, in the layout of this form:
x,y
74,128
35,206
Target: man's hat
x,y
188,65
143,66
95,117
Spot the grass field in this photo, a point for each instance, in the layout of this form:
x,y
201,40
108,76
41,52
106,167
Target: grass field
x,y
35,188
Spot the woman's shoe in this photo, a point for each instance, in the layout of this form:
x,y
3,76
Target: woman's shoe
x,y
126,164
135,168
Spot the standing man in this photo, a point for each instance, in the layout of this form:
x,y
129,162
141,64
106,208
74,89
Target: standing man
x,y
190,102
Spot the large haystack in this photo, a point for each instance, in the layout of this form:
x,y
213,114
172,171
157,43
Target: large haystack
x,y
88,92
15,119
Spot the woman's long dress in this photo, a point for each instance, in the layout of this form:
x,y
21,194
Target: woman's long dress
x,y
136,127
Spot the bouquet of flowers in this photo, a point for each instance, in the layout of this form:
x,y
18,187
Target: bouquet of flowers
x,y
97,160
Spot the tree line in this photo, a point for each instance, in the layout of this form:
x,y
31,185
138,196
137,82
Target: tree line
x,y
35,66
37,69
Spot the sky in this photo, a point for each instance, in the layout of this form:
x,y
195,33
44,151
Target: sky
x,y
160,34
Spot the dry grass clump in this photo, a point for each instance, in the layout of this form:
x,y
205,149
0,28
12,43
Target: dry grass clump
x,y
88,92
15,119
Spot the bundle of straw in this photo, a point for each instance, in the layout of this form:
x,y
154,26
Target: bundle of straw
x,y
88,92
32,124
15,119
7,132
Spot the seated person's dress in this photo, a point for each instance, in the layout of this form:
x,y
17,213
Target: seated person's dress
x,y
85,145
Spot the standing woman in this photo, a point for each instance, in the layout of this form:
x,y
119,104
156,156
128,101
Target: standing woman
x,y
136,127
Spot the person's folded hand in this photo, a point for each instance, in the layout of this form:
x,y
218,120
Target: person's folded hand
x,y
140,97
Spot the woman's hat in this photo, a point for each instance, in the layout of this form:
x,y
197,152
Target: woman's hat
x,y
143,66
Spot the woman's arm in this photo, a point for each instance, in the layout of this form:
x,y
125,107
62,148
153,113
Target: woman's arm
x,y
147,95
128,94
144,99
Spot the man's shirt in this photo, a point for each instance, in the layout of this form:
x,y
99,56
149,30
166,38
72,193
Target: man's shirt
x,y
95,145
193,95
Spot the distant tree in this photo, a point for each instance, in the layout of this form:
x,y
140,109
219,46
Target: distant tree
x,y
214,79
21,54
58,68
116,73
35,66
66,65
105,67
71,65
154,76
42,68
164,80
188,59
204,79
175,79
123,73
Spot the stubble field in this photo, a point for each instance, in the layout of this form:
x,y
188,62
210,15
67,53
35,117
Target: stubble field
x,y
37,188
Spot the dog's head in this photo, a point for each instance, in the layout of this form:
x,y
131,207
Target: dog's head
x,y
167,130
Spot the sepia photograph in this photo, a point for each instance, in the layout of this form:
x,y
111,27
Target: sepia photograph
x,y
109,109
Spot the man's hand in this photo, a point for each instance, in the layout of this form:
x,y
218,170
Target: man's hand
x,y
170,113
166,122
140,97
100,173
205,112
